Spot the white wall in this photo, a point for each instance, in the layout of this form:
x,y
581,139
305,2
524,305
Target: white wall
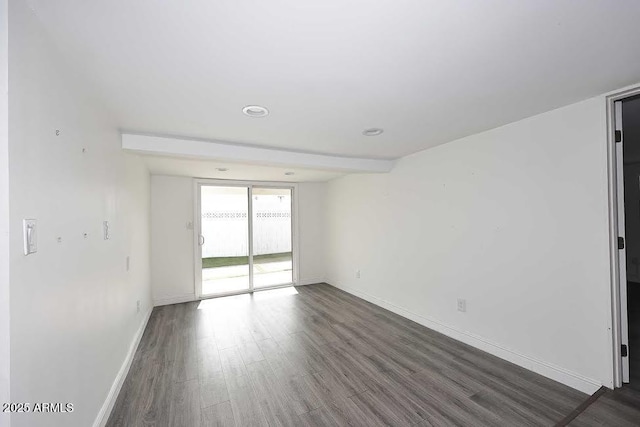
x,y
172,268
172,262
73,303
312,199
4,213
514,220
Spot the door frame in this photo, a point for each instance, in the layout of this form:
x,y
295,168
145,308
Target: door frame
x,y
197,248
616,207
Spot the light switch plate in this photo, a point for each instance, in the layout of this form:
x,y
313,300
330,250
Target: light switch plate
x,y
30,234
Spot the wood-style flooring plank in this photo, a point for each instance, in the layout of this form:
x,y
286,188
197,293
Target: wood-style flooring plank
x,y
271,396
184,405
318,418
213,389
244,402
208,357
220,415
232,364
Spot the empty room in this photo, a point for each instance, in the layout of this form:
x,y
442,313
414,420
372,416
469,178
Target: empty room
x,y
319,213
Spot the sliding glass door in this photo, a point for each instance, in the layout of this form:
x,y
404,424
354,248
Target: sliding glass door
x,y
224,239
272,243
245,238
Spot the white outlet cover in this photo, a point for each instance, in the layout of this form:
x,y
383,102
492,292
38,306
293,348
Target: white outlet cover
x,y
462,305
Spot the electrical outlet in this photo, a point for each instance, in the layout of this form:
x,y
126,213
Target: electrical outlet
x,y
357,274
462,305
138,306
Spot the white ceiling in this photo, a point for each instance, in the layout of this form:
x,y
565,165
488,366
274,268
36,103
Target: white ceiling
x,y
427,71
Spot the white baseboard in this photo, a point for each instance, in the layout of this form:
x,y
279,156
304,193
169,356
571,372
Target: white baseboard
x,y
562,375
107,406
174,299
304,282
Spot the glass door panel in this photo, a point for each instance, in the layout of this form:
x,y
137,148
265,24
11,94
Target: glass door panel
x,y
272,243
224,239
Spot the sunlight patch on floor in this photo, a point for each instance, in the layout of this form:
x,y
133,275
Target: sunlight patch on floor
x,y
235,301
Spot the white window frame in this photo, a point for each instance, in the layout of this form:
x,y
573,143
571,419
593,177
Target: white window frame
x,y
198,183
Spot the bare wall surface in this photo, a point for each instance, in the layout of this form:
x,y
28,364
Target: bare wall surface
x,y
73,303
172,262
312,197
513,220
172,259
4,214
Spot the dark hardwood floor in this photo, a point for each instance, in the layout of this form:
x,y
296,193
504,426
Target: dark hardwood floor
x,y
322,357
620,408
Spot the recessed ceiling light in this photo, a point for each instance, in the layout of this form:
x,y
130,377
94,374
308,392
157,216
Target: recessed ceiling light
x,y
222,169
372,132
255,111
289,173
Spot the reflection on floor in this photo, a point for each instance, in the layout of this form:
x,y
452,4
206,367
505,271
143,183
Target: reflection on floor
x,y
235,278
234,303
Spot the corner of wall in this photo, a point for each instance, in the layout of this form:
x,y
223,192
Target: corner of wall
x,y
5,343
